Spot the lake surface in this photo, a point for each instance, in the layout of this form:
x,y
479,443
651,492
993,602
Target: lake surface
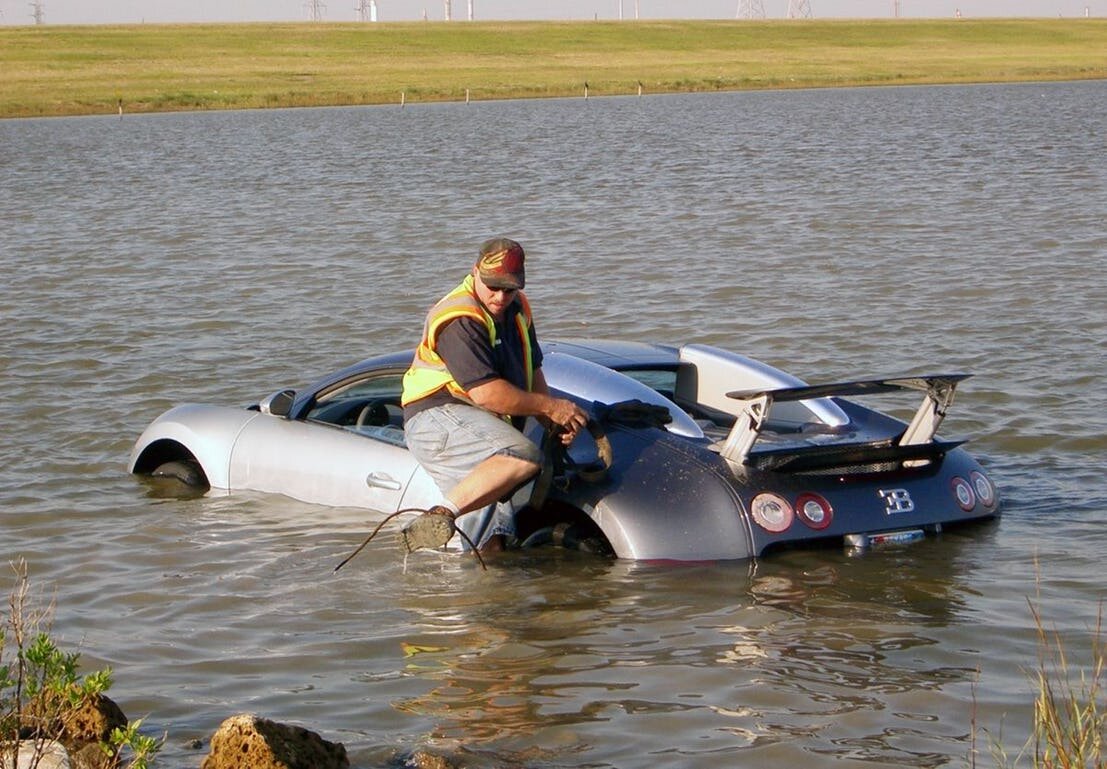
x,y
152,260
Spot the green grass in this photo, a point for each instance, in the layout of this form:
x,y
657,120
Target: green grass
x,y
58,70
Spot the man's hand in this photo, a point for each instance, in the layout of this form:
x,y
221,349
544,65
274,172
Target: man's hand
x,y
568,417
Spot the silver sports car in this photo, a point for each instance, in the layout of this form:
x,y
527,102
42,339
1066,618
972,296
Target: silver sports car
x,y
693,453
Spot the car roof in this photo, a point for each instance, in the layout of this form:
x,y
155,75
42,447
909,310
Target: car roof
x,y
610,353
617,354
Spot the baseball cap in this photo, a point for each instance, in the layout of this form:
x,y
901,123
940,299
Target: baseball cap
x,y
501,263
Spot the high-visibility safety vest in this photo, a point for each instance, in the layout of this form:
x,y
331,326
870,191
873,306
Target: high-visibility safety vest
x,y
428,373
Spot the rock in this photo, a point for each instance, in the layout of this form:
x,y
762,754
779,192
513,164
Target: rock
x,y
248,742
93,720
34,754
86,727
90,755
79,731
421,760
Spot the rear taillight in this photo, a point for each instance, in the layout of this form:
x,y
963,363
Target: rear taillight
x,y
771,512
985,491
963,493
814,510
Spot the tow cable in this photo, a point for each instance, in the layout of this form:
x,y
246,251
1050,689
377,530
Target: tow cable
x,y
558,467
447,522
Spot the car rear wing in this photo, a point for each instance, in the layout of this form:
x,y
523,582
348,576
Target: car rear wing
x,y
755,405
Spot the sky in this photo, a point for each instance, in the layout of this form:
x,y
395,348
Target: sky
x,y
175,11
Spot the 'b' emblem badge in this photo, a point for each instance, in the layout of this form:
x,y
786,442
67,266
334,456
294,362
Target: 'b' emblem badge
x,y
897,501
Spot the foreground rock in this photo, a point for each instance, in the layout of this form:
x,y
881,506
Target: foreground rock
x,y
32,755
59,737
93,721
248,742
421,760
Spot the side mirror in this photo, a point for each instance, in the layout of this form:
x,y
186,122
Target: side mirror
x,y
279,404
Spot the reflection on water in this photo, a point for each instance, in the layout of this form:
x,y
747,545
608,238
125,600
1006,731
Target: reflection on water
x,y
735,657
837,234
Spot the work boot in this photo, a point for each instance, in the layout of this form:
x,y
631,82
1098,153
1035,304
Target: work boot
x,y
430,530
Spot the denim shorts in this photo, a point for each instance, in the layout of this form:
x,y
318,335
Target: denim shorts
x,y
450,440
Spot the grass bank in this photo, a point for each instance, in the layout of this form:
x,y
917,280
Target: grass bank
x,y
59,70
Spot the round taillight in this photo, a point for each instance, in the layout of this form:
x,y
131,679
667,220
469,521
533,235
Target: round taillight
x,y
962,491
814,510
985,491
771,512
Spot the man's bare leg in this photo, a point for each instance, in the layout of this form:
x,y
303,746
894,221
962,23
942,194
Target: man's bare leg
x,y
487,483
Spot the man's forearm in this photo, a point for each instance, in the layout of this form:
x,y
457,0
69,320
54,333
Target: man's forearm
x,y
502,397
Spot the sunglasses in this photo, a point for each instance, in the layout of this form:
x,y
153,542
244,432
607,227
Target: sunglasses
x,y
499,290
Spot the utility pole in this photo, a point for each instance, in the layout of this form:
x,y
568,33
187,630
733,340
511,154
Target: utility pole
x,y
38,11
316,9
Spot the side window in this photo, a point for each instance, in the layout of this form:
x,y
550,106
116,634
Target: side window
x,y
369,401
660,380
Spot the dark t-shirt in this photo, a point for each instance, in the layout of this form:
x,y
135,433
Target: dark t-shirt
x,y
465,347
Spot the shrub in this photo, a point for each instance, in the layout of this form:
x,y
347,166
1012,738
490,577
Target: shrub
x,y
42,692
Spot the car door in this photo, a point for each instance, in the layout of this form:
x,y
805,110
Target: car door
x,y
333,456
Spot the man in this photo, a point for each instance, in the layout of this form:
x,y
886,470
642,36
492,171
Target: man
x,y
476,376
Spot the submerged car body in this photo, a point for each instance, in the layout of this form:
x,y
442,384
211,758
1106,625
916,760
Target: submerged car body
x,y
713,455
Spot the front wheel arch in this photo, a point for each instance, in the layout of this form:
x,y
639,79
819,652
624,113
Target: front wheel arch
x,y
170,459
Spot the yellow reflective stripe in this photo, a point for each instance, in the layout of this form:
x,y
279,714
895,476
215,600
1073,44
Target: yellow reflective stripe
x,y
528,353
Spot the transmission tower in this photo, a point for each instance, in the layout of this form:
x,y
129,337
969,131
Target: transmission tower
x,y
366,10
799,9
316,9
38,11
750,9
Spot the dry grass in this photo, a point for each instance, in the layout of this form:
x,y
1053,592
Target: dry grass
x,y
1069,728
1069,716
51,70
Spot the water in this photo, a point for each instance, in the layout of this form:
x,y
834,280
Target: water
x,y
843,233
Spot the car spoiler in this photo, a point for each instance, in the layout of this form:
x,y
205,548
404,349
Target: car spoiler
x,y
914,444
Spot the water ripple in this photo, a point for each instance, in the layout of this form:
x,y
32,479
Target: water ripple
x,y
840,233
